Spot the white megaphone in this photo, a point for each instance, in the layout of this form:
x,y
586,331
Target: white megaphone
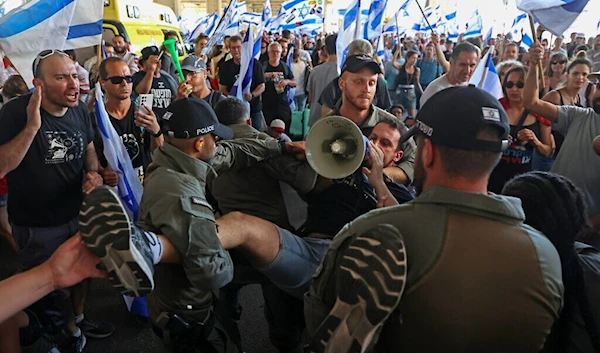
x,y
335,147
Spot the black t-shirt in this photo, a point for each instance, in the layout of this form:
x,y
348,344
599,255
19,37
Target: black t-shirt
x,y
332,94
136,142
343,202
277,101
229,72
213,98
45,189
164,90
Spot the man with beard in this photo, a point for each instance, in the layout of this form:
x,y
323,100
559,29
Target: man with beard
x,y
358,84
479,279
576,160
139,132
463,63
122,52
47,154
229,72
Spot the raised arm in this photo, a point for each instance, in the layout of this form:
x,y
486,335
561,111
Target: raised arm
x,y
531,98
441,58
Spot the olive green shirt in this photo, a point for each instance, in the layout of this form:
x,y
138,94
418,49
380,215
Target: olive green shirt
x,y
174,204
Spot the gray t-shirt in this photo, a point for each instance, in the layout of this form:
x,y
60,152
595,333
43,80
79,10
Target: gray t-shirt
x,y
439,84
319,78
577,159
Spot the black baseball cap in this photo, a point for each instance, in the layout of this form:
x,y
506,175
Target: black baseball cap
x,y
454,116
192,117
355,63
149,51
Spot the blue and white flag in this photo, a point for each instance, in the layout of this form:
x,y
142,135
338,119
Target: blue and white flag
x,y
555,15
49,24
250,50
348,32
235,26
434,18
129,188
267,14
302,9
474,26
276,22
220,31
374,25
520,30
405,18
380,49
488,36
486,77
206,25
451,26
252,18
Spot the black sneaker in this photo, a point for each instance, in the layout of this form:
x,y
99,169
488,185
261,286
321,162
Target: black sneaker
x,y
370,279
107,230
43,344
74,344
96,329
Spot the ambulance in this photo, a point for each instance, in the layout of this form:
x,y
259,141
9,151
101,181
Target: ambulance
x,y
141,23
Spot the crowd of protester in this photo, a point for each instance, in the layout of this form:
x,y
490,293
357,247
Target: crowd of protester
x,y
472,224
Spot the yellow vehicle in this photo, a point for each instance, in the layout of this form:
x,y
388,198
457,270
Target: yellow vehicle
x,y
141,23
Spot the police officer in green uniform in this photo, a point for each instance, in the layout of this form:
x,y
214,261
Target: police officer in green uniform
x,y
174,205
479,279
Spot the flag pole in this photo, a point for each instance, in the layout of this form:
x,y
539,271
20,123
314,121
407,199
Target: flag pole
x,y
540,65
425,17
397,29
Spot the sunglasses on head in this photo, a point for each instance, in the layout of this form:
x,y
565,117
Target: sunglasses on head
x,y
116,80
511,84
45,54
559,62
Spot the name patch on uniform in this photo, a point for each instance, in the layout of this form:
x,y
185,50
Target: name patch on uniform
x,y
199,201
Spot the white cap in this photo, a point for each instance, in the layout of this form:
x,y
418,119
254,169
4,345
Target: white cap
x,y
278,125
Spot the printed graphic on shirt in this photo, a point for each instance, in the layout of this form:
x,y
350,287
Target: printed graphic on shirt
x,y
131,145
64,146
279,76
517,155
162,96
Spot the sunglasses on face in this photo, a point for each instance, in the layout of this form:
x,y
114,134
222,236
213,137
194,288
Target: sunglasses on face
x,y
116,80
511,84
45,54
559,62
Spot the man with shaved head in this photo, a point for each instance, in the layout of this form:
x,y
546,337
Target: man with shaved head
x,y
47,154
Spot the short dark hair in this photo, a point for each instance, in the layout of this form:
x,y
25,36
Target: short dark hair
x,y
200,37
396,124
330,44
471,165
102,69
235,38
521,70
231,111
14,86
286,34
170,34
71,53
464,47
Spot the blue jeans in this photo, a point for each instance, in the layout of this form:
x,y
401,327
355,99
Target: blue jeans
x,y
297,260
300,100
256,118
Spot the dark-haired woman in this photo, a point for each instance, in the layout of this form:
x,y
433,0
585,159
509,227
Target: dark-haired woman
x,y
554,206
407,83
528,132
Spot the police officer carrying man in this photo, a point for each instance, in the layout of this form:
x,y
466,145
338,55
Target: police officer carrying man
x,y
479,279
174,205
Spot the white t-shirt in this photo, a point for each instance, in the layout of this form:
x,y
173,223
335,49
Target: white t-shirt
x,y
439,84
298,69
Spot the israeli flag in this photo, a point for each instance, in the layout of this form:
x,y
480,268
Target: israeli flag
x,y
310,22
302,8
474,26
267,14
433,17
451,26
375,19
277,23
520,30
380,49
219,33
348,32
252,18
129,187
488,36
250,50
555,15
486,77
206,25
49,24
